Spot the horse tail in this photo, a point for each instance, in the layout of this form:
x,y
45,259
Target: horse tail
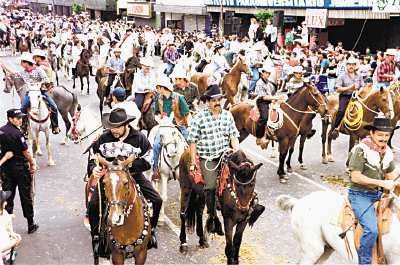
x,y
191,212
285,202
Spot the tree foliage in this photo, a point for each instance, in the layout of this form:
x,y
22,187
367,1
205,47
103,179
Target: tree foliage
x,y
77,9
264,15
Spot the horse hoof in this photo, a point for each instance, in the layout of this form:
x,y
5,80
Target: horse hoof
x,y
161,219
331,159
303,166
282,180
51,163
184,248
63,142
39,153
290,170
324,161
204,244
273,155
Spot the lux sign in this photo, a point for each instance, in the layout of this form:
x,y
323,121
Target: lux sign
x,y
139,9
316,18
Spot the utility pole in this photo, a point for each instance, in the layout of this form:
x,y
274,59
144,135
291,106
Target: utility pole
x,y
221,21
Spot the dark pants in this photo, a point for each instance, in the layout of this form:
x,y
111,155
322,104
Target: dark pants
x,y
19,176
148,192
111,77
263,108
343,102
139,100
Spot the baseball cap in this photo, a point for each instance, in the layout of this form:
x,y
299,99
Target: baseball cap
x,y
119,93
15,113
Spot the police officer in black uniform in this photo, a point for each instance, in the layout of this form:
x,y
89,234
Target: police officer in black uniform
x,y
18,171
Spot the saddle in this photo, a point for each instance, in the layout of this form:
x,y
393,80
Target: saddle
x,y
346,218
275,117
254,114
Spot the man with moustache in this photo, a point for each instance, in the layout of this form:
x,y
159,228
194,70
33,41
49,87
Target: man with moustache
x,y
346,84
121,139
371,170
213,132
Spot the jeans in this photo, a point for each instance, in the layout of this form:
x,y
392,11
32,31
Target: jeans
x,y
256,76
170,66
331,85
26,102
383,84
364,210
157,145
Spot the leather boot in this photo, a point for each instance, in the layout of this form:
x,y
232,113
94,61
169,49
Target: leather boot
x,y
90,70
153,240
156,175
54,124
213,225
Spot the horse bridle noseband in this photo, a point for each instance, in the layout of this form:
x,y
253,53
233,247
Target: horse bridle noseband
x,y
236,182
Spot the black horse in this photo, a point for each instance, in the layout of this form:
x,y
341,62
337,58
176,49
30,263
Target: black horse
x,y
83,69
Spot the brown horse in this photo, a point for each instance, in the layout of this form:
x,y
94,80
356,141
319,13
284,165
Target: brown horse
x,y
83,69
132,65
23,45
394,89
230,81
376,101
148,121
101,89
294,110
100,73
128,218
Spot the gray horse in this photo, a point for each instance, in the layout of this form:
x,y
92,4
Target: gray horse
x,y
53,59
65,100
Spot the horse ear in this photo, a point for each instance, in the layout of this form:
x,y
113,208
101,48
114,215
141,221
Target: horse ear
x,y
103,161
128,161
233,165
256,167
381,89
79,108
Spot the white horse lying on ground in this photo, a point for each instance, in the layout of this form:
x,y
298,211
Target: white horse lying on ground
x,y
311,222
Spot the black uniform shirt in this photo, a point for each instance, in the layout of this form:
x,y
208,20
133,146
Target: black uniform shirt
x,y
13,140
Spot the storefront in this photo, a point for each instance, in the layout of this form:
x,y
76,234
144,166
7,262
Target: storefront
x,y
138,13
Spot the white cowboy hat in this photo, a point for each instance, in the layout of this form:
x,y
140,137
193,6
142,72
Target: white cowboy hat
x,y
164,82
297,69
26,56
39,52
147,61
209,40
179,72
258,46
117,50
391,52
352,60
265,68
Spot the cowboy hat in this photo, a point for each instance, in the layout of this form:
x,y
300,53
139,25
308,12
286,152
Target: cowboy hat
x,y
179,73
219,46
381,123
117,50
209,40
147,61
258,46
164,82
39,52
352,60
116,118
212,92
26,56
265,68
391,52
297,69
4,195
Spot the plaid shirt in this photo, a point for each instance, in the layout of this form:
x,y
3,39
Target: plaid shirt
x,y
212,135
172,55
385,68
36,75
190,92
116,63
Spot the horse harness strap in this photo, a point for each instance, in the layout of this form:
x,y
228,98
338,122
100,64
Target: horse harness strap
x,y
40,121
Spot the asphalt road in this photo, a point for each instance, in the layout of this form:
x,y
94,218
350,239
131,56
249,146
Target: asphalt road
x,y
60,203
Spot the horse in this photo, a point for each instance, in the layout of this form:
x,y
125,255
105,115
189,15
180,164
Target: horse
x,y
65,53
375,102
394,89
172,147
85,120
148,121
311,223
83,69
23,45
294,110
132,65
101,88
65,100
39,121
128,218
230,81
53,59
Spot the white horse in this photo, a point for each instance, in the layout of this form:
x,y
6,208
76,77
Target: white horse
x,y
39,120
85,121
172,147
66,59
312,224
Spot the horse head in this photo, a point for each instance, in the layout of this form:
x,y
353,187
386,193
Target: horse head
x,y
118,188
169,137
378,101
128,77
85,55
36,98
8,82
78,125
315,99
244,66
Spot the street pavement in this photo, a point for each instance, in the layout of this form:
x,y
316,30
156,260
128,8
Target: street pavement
x,y
60,203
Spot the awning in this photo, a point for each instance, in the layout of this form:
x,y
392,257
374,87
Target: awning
x,y
193,10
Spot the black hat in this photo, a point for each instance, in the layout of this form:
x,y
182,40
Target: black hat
x,y
380,123
116,118
219,46
15,113
4,195
212,91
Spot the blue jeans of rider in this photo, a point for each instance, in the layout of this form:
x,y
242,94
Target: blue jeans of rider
x,y
157,145
256,76
26,102
169,69
364,210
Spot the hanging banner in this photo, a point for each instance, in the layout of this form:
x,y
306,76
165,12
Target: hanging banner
x,y
139,9
384,6
316,18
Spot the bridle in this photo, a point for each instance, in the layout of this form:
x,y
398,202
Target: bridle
x,y
173,141
320,105
235,183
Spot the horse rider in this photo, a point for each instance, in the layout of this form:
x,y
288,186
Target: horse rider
x,y
144,81
371,169
18,171
186,88
296,80
171,56
40,58
213,132
21,32
119,100
76,51
256,63
206,55
220,64
346,84
114,142
387,71
264,90
33,74
44,43
128,41
168,102
115,65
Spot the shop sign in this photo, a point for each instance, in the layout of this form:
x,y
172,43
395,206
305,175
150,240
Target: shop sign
x,y
386,6
316,18
326,4
335,22
139,9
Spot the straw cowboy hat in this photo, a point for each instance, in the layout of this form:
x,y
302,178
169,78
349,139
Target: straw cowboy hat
x,y
391,52
265,68
117,50
352,60
297,69
381,123
258,46
147,61
116,118
179,73
26,56
39,52
212,92
164,82
209,40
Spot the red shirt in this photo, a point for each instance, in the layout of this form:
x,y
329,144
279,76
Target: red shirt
x,y
385,68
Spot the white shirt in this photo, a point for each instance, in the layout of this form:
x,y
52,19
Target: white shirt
x,y
132,110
